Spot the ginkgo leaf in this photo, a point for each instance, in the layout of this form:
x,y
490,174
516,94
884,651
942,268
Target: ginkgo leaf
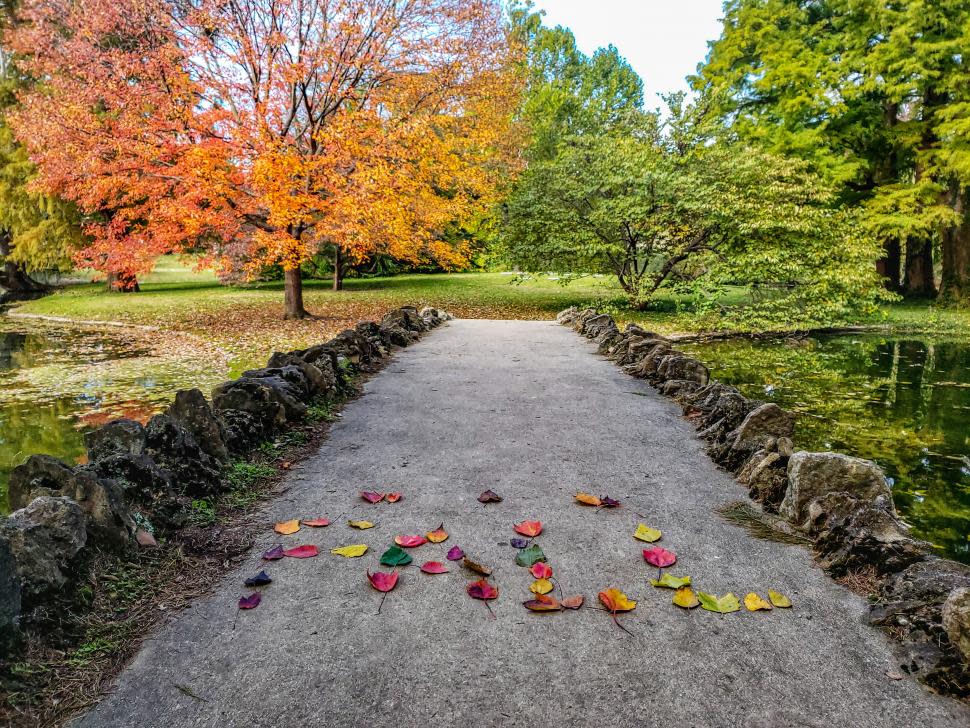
x,y
542,603
371,496
659,557
250,602
274,554
395,556
438,535
382,581
530,556
489,496
722,605
455,554
287,527
685,597
645,533
476,567
574,602
302,552
481,589
671,582
352,551
541,570
261,579
753,602
588,500
616,601
541,586
410,542
316,522
360,524
528,528
394,497
779,599
434,567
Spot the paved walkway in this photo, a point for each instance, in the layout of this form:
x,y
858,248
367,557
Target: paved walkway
x,y
529,410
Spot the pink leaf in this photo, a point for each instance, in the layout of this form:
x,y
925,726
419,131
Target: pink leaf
x,y
659,557
481,589
434,567
382,581
455,554
409,542
371,496
316,522
250,602
541,570
302,552
274,553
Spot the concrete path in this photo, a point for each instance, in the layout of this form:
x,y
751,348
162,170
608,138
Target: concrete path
x,y
529,410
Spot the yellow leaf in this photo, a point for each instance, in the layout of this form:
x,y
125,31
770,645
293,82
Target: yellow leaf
x,y
352,551
541,586
722,605
588,500
616,601
685,597
287,527
669,581
779,599
360,524
753,602
438,535
645,533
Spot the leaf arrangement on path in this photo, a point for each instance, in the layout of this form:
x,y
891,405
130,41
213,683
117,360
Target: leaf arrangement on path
x,y
541,586
274,554
518,543
607,502
645,533
722,605
753,602
489,496
659,557
316,522
481,589
438,535
588,500
302,552
352,551
543,603
371,496
287,527
685,598
434,567
574,602
455,554
410,542
616,601
778,599
394,497
383,581
528,528
250,602
395,556
361,525
541,570
530,556
261,579
671,582
476,567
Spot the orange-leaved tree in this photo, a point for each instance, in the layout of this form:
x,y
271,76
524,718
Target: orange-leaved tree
x,y
267,128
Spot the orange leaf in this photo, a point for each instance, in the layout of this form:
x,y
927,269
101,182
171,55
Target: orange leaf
x,y
438,535
543,603
588,500
287,527
529,528
616,601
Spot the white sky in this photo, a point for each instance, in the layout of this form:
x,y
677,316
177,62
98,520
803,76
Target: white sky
x,y
663,40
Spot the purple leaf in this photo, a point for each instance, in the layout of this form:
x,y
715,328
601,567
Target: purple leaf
x,y
518,543
250,602
261,579
607,502
455,553
274,553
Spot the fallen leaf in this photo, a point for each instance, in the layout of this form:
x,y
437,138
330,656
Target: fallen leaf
x,y
779,599
455,553
541,570
410,542
489,496
316,522
607,502
721,605
302,552
250,602
588,500
273,554
659,557
434,567
481,589
541,586
352,551
574,602
261,579
394,497
144,538
519,543
438,535
616,601
382,581
529,528
476,567
371,496
542,603
753,602
671,582
530,556
360,524
395,556
645,533
287,527
685,597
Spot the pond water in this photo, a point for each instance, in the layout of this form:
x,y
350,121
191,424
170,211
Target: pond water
x,y
56,383
903,402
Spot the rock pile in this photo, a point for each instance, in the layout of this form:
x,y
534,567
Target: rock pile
x,y
140,480
844,504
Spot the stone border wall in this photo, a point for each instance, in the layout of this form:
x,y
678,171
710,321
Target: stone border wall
x,y
140,481
842,504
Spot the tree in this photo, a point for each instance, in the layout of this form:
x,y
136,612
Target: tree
x,y
266,128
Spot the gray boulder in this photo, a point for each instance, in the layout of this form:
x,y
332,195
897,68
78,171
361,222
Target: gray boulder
x,y
175,449
762,425
646,366
567,316
684,368
813,475
255,397
191,410
319,380
10,598
44,538
121,437
956,620
38,472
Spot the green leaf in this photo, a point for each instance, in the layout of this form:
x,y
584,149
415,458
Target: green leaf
x,y
721,605
529,556
395,556
671,582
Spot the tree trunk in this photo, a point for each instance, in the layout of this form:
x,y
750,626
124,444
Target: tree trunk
x,y
338,278
955,287
919,280
888,265
13,276
293,295
123,282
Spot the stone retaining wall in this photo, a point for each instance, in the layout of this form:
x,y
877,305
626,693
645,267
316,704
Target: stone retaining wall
x,y
843,504
140,480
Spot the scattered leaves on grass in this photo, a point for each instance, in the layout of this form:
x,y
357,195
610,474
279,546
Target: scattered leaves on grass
x,y
455,554
489,496
542,603
530,556
541,570
481,589
434,567
371,496
261,579
352,551
383,581
685,598
438,535
394,497
779,599
721,605
541,586
395,556
588,500
645,533
573,602
753,602
250,602
302,552
362,525
410,542
607,502
476,567
273,554
287,527
529,528
671,582
519,543
316,522
659,557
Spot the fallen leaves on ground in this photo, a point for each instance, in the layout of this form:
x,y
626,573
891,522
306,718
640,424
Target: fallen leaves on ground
x,y
541,586
542,603
287,527
410,542
250,602
476,567
518,543
481,589
434,567
753,602
394,497
530,556
671,582
541,570
779,599
455,554
383,581
352,551
616,601
685,598
316,522
721,605
573,602
395,556
261,579
489,496
607,502
302,552
438,535
659,557
273,554
362,525
588,500
371,496
645,533
528,528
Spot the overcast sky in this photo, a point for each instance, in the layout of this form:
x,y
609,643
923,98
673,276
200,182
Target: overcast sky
x,y
663,40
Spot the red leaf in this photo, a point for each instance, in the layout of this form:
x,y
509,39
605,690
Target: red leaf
x,y
250,602
455,553
409,542
394,497
434,567
316,522
371,496
543,603
659,557
541,570
489,496
302,552
382,581
481,589
528,528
